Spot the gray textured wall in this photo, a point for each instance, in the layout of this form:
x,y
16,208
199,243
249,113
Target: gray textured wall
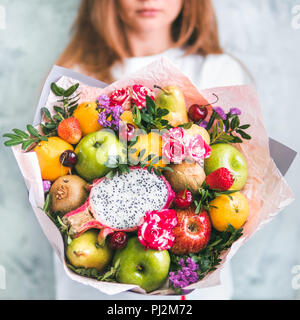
x,y
259,32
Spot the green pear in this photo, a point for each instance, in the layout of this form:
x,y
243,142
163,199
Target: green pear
x,y
84,252
171,98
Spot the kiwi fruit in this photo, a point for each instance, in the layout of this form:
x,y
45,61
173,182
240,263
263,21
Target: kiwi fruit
x,y
185,176
68,193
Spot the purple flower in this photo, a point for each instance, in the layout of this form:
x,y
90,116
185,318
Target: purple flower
x,y
203,124
112,113
220,112
186,275
103,101
102,120
46,185
235,111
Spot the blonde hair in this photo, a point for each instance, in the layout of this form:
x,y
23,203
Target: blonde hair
x,y
98,39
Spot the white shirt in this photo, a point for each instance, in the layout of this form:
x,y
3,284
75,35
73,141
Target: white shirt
x,y
205,72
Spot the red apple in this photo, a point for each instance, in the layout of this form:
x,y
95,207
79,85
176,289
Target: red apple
x,y
192,232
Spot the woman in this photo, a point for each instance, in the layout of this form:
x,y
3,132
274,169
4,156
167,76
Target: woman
x,y
113,38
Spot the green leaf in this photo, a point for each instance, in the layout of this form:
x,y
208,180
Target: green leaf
x,y
32,131
21,133
237,140
164,122
235,122
245,126
162,112
12,136
136,115
50,125
71,90
243,134
59,109
46,112
150,104
11,143
147,117
58,91
26,144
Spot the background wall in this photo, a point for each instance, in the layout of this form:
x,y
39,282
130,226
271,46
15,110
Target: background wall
x,y
258,32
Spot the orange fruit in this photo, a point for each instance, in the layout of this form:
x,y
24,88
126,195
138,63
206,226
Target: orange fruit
x,y
152,144
48,153
232,208
87,115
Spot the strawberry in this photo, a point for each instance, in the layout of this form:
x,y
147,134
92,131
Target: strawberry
x,y
69,130
221,179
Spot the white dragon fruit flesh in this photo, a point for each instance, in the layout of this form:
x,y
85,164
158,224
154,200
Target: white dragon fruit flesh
x,y
120,203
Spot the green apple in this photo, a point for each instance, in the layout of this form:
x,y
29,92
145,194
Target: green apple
x,y
225,155
94,151
84,252
146,268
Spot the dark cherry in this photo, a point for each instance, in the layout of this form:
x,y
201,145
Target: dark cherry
x,y
118,240
183,199
127,132
68,158
197,112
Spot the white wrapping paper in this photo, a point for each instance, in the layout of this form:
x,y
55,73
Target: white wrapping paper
x,y
266,189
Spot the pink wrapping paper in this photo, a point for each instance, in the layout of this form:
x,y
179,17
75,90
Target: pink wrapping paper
x,y
266,189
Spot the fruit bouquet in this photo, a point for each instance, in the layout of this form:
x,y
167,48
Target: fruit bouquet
x,y
148,184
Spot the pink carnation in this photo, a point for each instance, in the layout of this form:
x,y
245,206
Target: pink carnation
x,y
139,94
175,145
121,98
176,134
155,229
127,97
198,149
174,151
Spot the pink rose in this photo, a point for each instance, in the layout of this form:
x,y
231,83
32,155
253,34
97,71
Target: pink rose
x,y
139,94
121,98
155,229
198,149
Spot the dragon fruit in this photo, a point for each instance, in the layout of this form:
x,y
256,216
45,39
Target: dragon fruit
x,y
118,204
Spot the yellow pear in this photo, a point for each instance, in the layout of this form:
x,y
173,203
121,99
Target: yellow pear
x,y
171,98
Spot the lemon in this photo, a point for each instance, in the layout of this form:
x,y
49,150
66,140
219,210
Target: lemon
x,y
229,209
48,154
